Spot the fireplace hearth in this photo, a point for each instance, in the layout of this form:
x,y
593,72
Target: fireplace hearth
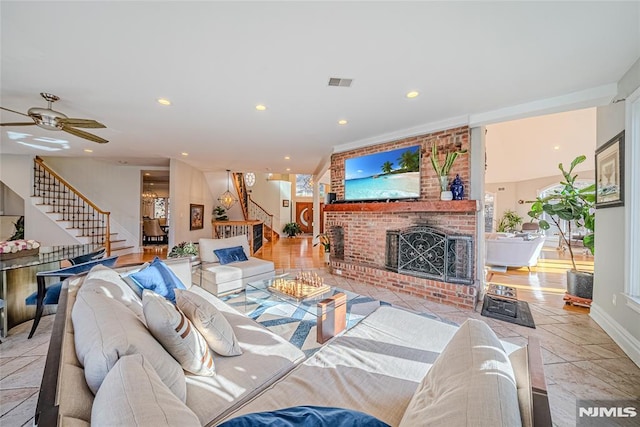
x,y
427,252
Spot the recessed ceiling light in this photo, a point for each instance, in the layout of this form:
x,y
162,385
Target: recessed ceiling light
x,y
287,158
164,101
342,122
87,150
185,154
147,174
557,147
261,107
412,94
288,169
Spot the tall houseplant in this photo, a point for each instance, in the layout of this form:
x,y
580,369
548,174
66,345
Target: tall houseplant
x,y
508,222
443,169
574,205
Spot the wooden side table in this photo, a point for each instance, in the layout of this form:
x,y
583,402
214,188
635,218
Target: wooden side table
x,y
332,317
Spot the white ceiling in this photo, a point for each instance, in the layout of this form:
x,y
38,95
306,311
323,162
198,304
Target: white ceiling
x,y
215,61
531,148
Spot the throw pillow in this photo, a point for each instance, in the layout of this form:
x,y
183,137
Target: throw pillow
x,y
158,278
210,322
306,416
133,394
229,255
105,330
177,335
470,383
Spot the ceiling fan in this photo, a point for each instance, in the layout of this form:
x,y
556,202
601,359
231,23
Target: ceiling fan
x,y
50,119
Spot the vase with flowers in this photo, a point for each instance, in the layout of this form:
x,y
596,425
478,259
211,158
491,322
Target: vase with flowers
x,y
443,169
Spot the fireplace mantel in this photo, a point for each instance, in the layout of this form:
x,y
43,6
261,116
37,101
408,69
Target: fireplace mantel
x,y
421,206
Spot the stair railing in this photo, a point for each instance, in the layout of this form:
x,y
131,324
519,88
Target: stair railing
x,y
257,212
74,207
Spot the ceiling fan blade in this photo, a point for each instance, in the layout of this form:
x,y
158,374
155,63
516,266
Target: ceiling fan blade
x,y
81,123
83,134
14,111
18,124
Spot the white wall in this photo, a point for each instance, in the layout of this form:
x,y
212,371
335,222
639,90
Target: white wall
x,y
190,186
10,202
618,320
269,194
16,172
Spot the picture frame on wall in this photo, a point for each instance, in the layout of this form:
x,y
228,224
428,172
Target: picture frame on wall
x,y
285,203
610,173
196,217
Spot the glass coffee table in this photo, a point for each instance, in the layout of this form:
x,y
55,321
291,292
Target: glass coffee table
x,y
329,308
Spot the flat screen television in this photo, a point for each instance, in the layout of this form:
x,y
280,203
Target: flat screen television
x,y
388,175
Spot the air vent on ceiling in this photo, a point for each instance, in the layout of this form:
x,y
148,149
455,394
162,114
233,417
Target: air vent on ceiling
x,y
336,81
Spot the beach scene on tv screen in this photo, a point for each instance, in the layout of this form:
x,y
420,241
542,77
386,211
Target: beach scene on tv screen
x,y
393,174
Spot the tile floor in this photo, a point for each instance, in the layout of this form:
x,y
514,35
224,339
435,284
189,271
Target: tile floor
x,y
581,361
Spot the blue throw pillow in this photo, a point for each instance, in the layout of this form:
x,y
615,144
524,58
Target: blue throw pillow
x,y
306,416
158,278
229,255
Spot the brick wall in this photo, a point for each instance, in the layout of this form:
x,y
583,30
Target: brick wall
x,y
446,140
365,232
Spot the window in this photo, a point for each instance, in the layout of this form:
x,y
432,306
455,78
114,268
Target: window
x,y
304,185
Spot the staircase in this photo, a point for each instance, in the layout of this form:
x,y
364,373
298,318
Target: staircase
x,y
253,211
81,218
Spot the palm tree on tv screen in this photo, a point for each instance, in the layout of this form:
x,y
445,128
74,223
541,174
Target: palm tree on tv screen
x,y
410,161
387,167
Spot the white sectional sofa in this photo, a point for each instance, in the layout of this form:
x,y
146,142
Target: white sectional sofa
x,y
388,366
222,279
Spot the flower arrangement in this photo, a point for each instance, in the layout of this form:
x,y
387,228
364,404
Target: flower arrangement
x,y
183,249
18,248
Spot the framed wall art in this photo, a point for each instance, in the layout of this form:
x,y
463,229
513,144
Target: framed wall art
x,y
610,173
196,217
285,203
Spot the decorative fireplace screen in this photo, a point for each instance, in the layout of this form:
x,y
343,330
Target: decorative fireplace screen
x,y
424,251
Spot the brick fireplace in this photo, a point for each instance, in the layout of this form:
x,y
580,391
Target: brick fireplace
x,y
359,230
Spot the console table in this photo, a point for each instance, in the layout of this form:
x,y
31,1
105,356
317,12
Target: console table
x,y
18,280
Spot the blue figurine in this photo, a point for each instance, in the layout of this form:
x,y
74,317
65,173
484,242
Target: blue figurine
x,y
457,188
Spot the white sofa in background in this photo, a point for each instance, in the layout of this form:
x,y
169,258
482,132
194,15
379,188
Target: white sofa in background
x,y
513,251
223,279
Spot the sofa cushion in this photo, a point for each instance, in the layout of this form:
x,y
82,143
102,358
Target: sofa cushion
x,y
133,394
520,363
159,278
176,333
106,330
212,324
230,255
265,358
103,280
237,271
471,384
207,246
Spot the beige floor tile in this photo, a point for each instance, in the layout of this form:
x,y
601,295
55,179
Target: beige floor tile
x,y
20,414
28,376
9,399
15,364
617,373
582,383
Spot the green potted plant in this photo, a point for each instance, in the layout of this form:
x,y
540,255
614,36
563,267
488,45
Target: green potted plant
x,y
574,205
220,213
509,221
443,169
184,249
292,228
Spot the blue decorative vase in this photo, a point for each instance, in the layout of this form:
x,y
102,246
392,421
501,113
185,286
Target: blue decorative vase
x,y
457,188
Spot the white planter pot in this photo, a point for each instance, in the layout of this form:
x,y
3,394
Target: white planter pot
x,y
446,195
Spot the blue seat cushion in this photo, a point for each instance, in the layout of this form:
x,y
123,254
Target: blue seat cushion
x,y
159,278
306,416
51,296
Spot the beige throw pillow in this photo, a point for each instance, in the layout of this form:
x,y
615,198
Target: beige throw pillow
x,y
470,384
210,322
106,330
176,333
133,394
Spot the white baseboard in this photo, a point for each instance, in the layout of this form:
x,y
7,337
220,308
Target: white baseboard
x,y
627,342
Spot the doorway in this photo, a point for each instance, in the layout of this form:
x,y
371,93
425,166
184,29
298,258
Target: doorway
x,y
304,216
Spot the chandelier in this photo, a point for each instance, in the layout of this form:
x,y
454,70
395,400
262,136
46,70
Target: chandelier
x,y
227,199
249,179
148,195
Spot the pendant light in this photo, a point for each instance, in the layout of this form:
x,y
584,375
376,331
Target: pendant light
x,y
227,199
249,179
